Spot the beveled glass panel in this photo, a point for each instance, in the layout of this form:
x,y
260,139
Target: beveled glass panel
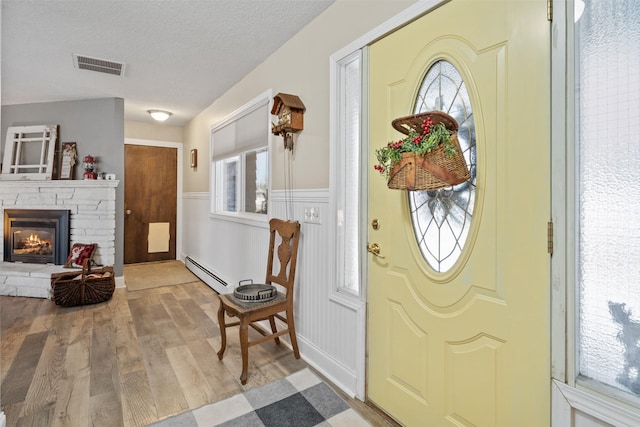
x,y
442,218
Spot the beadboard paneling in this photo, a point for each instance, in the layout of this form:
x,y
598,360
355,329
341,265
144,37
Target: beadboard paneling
x,y
327,331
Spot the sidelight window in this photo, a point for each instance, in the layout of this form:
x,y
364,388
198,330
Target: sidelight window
x,y
607,85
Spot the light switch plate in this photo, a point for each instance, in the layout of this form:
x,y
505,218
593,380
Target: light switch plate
x,y
311,215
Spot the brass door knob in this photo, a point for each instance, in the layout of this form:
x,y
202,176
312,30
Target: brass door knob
x,y
374,249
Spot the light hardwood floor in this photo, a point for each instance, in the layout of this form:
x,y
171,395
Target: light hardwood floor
x,y
141,357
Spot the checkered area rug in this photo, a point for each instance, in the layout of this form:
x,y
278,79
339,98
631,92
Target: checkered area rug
x,y
299,400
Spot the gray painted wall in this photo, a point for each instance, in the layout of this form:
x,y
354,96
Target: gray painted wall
x,y
97,126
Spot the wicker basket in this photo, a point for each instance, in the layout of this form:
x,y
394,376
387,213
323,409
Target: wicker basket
x,y
435,169
86,287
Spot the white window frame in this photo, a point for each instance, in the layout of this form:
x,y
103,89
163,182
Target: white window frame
x,y
571,397
339,294
342,104
220,192
215,174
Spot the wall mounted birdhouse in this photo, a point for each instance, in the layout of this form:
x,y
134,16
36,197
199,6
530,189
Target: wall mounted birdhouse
x,y
289,110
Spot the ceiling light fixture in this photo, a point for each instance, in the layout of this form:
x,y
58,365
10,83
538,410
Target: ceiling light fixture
x,y
159,115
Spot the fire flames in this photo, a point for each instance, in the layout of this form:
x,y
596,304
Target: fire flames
x,y
33,245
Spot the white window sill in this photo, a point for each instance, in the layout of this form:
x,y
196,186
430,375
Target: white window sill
x,y
255,220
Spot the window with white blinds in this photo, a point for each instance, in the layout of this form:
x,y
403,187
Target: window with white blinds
x,y
240,160
245,132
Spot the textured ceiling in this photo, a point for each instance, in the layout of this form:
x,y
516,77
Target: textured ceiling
x,y
180,55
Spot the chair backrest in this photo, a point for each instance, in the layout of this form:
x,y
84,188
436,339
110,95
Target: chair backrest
x,y
284,239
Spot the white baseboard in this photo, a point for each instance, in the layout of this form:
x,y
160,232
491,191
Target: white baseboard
x,y
332,369
120,283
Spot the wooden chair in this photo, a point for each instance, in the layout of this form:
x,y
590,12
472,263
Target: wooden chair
x,y
288,234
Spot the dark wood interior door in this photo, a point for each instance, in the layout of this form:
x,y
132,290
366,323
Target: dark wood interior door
x,y
150,195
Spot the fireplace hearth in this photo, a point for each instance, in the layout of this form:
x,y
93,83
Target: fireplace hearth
x,y
38,236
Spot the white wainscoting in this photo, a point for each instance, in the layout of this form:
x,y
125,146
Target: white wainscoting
x,y
327,328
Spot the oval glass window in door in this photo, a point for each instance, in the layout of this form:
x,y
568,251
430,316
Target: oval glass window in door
x,y
442,218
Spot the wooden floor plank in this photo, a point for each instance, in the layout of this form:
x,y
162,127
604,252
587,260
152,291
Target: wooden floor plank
x,y
81,325
128,354
224,382
211,310
169,334
197,389
11,343
45,312
188,328
104,363
200,294
179,292
12,413
12,312
42,417
138,405
195,312
105,410
158,312
18,380
50,370
142,320
72,403
167,393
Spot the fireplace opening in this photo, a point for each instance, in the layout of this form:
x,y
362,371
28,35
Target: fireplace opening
x,y
38,236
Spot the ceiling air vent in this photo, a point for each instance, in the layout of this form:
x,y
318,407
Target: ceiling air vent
x,y
100,65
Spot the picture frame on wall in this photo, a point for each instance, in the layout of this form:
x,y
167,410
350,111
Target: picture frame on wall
x,y
68,160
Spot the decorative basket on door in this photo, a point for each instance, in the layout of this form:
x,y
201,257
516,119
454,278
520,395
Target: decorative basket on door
x,y
87,287
440,167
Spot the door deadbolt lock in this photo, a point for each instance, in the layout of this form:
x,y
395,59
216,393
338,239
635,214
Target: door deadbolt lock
x,y
375,224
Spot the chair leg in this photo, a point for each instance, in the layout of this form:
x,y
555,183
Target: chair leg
x,y
223,331
272,322
292,334
244,348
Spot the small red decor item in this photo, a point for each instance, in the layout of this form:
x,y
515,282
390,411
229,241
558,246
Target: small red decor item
x,y
79,253
89,168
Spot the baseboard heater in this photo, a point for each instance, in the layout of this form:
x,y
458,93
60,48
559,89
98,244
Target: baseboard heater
x,y
207,276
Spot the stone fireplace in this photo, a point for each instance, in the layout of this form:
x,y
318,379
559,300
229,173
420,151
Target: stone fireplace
x,y
91,207
39,236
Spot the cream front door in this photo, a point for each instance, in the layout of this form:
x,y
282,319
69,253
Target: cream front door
x,y
468,346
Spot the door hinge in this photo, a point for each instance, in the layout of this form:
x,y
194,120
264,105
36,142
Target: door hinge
x,y
550,10
550,237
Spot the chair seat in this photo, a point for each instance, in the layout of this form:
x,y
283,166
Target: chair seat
x,y
242,306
